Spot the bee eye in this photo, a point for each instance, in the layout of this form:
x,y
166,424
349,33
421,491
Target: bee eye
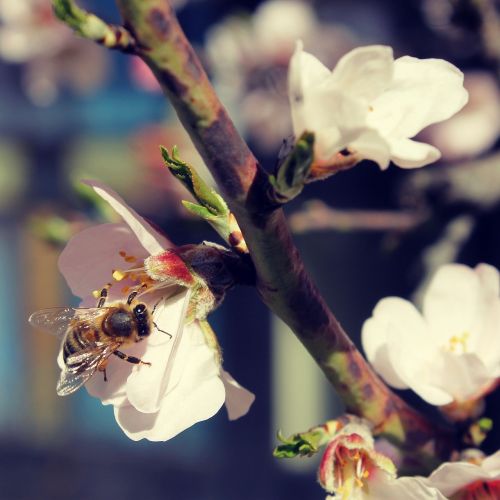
x,y
139,309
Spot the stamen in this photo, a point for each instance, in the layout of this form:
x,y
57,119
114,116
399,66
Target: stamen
x,y
96,294
119,275
130,258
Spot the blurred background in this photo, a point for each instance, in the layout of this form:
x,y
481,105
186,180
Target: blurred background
x,y
70,110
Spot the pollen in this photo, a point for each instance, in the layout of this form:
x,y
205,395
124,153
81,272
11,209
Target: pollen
x,y
458,343
96,294
118,274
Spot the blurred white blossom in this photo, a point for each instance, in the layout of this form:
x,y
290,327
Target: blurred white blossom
x,y
371,104
52,55
185,383
450,353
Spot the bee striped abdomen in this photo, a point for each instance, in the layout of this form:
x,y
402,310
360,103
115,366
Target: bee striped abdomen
x,y
78,339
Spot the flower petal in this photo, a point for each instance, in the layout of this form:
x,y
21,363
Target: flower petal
x,y
406,153
450,477
423,91
198,396
149,238
451,302
147,385
238,399
400,314
90,256
364,73
370,145
462,376
407,488
491,465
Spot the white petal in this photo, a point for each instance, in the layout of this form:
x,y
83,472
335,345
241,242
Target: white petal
x,y
364,73
407,488
198,396
423,91
451,301
489,278
147,385
407,153
150,239
491,465
304,72
238,399
391,312
370,145
449,477
414,357
113,391
90,256
462,376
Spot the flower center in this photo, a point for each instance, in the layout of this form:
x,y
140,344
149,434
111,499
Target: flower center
x,y
351,471
135,277
457,344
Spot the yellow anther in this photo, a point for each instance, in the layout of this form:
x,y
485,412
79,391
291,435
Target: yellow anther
x,y
96,294
130,258
458,343
118,275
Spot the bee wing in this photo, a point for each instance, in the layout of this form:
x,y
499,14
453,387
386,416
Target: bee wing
x,y
82,365
56,320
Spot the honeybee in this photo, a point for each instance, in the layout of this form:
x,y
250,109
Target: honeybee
x,y
91,335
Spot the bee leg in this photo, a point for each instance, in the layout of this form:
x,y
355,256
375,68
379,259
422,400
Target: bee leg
x,y
102,368
103,296
134,294
130,359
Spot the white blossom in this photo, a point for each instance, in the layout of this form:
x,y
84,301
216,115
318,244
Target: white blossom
x,y
449,353
372,105
185,382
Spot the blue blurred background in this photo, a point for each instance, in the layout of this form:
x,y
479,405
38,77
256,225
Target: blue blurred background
x,y
70,110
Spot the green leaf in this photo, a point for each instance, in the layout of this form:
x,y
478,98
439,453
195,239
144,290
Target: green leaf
x,y
304,444
205,195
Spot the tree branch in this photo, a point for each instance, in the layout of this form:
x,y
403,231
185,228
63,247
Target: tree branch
x,y
282,281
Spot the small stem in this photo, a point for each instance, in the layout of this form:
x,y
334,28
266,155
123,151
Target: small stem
x,y
92,27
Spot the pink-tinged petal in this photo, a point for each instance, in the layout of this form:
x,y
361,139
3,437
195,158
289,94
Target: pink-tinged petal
x,y
149,238
406,153
364,73
451,302
198,396
90,256
391,312
147,385
452,476
238,399
370,145
423,91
